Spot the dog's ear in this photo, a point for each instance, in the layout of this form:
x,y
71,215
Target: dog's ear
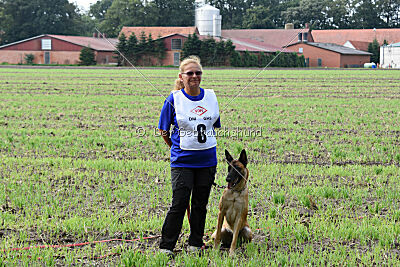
x,y
228,156
243,157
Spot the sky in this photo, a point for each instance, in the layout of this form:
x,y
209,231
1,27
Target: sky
x,y
85,4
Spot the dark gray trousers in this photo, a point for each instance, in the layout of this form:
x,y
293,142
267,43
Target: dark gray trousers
x,y
185,182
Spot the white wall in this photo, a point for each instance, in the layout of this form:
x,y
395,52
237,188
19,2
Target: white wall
x,y
349,45
390,57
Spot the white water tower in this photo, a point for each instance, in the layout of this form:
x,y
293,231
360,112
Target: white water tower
x,y
208,20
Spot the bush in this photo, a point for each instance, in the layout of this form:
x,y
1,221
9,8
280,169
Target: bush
x,y
247,59
211,52
29,58
374,48
86,58
140,51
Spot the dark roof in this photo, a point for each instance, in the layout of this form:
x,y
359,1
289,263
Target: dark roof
x,y
241,44
25,40
339,49
359,45
273,37
98,44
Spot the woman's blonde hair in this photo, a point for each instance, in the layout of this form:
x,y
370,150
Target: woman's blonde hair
x,y
190,59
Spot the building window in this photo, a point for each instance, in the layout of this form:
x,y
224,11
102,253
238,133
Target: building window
x,y
320,62
46,44
176,44
300,49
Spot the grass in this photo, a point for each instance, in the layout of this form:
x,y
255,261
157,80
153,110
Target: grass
x,y
81,160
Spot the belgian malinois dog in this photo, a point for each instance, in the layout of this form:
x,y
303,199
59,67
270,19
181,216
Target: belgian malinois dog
x,y
233,205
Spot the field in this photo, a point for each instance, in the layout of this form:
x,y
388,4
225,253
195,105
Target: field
x,y
81,161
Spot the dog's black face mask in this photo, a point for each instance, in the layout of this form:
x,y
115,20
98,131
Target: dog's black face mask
x,y
236,168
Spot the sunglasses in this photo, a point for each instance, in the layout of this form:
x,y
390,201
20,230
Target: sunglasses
x,y
191,73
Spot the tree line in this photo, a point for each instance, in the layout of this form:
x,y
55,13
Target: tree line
x,y
21,19
140,51
111,15
321,14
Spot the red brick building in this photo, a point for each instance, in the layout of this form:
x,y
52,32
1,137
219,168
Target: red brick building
x,y
318,51
66,49
58,49
331,55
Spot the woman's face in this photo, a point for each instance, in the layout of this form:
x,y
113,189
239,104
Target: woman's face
x,y
191,76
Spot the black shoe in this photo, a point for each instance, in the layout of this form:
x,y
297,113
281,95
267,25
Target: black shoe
x,y
167,252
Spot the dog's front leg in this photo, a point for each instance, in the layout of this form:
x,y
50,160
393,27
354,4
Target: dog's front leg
x,y
236,231
217,240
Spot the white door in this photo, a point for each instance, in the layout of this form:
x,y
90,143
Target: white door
x,y
177,57
46,57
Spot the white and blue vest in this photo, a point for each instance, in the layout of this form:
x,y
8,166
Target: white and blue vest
x,y
196,119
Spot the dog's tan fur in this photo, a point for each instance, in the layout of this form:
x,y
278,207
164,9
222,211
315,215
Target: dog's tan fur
x,y
232,216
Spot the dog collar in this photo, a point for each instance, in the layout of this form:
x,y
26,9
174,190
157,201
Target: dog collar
x,y
239,191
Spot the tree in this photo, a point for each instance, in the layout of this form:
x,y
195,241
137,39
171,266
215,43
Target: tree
x,y
160,49
232,11
366,15
211,52
390,11
338,14
22,19
123,13
220,53
374,48
133,49
140,51
122,47
86,58
144,13
29,58
172,12
308,11
207,51
236,60
99,9
192,46
229,48
258,17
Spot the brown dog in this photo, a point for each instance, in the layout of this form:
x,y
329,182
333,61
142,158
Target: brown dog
x,y
233,205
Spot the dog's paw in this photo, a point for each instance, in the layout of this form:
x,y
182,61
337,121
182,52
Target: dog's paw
x,y
232,253
209,243
216,243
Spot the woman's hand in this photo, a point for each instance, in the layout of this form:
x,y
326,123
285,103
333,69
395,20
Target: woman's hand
x,y
165,136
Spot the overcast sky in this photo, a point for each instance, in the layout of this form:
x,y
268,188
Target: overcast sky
x,y
83,3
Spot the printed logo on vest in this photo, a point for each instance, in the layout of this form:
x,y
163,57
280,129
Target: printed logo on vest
x,y
199,110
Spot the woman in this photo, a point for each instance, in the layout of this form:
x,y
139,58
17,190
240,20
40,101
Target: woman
x,y
194,113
